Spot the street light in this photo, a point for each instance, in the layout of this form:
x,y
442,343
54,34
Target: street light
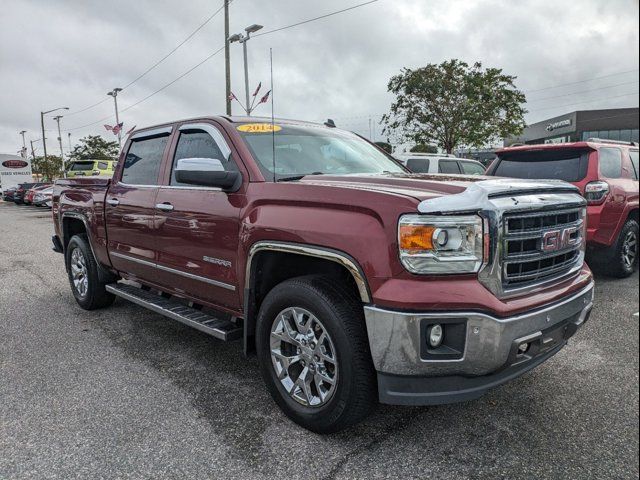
x,y
243,39
114,93
24,144
42,114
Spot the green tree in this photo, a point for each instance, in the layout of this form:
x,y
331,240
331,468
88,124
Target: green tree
x,y
454,104
386,146
49,170
422,148
94,147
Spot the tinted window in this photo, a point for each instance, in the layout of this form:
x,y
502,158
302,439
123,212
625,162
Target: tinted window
x,y
449,166
634,159
610,162
81,166
472,168
553,165
142,163
103,165
418,165
198,144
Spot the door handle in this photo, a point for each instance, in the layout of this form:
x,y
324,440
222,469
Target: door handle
x,y
114,202
167,207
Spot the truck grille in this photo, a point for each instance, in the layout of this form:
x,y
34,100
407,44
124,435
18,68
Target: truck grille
x,y
541,246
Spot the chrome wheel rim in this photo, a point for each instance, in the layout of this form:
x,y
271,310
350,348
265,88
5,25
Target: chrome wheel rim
x,y
303,357
630,249
79,272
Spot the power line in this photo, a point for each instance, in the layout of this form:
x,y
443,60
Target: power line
x,y
316,18
143,74
580,81
586,101
583,91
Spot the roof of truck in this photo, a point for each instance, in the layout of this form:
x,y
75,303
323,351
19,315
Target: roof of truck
x,y
593,144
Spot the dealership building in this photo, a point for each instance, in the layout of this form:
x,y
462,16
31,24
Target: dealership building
x,y
613,124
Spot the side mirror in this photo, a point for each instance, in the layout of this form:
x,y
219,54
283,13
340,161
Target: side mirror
x,y
207,172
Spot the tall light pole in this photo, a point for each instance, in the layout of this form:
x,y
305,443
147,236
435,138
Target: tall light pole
x,y
114,93
44,140
64,169
24,144
243,39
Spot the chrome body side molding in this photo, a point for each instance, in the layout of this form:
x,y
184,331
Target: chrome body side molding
x,y
312,251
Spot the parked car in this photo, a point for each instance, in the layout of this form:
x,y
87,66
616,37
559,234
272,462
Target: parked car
x,y
606,172
21,191
437,163
43,197
91,167
29,195
353,280
7,195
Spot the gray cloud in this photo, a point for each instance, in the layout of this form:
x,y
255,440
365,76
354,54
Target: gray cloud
x,y
70,53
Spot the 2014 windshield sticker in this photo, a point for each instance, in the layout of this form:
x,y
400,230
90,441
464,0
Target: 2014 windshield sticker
x,y
259,128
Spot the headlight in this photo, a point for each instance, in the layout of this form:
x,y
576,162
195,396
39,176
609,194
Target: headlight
x,y
440,245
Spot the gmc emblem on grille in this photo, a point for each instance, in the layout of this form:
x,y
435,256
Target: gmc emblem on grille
x,y
555,240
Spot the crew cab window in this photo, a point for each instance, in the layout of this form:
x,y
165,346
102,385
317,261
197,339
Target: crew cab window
x,y
610,162
418,165
634,160
142,163
198,144
448,166
472,168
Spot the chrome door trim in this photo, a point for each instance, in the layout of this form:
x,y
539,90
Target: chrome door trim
x,y
166,207
312,251
213,132
191,276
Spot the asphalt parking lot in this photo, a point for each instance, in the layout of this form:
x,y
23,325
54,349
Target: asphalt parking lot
x,y
125,393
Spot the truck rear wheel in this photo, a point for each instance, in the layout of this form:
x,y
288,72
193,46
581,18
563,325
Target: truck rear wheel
x,y
314,354
84,277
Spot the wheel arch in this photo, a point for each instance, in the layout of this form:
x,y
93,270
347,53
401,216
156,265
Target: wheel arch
x,y
293,260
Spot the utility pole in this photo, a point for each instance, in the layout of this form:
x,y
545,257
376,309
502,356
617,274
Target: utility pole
x,y
227,57
64,169
24,145
44,140
114,93
69,137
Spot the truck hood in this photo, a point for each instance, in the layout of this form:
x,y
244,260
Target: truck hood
x,y
428,188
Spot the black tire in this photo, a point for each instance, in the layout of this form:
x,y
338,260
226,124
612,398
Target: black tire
x,y
95,296
355,392
613,261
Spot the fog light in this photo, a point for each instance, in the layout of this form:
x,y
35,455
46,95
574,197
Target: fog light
x,y
435,335
522,349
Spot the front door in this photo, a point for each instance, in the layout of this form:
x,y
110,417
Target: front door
x,y
198,227
130,207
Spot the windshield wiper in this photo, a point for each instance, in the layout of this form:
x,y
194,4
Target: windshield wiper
x,y
297,177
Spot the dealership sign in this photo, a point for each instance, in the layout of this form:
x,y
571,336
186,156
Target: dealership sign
x,y
14,170
559,124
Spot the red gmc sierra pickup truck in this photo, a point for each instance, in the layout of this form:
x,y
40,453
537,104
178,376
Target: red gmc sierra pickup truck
x,y
354,280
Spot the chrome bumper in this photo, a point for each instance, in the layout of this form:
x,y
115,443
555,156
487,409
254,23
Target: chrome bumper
x,y
397,340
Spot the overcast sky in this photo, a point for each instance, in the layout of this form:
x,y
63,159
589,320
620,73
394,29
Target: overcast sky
x,y
70,53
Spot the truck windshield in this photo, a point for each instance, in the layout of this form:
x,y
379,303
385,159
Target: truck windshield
x,y
81,166
311,150
570,166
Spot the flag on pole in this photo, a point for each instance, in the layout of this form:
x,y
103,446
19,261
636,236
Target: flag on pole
x,y
109,128
117,128
232,96
265,99
255,94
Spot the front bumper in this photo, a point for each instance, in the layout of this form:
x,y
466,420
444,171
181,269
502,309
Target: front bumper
x,y
410,374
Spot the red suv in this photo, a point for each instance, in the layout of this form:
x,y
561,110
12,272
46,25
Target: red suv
x,y
606,172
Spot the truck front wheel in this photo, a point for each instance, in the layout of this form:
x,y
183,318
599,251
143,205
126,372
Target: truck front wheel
x,y
84,278
314,354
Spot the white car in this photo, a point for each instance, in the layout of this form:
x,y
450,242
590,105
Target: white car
x,y
439,163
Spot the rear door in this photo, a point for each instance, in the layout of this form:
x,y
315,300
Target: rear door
x,y
198,227
130,205
617,173
472,168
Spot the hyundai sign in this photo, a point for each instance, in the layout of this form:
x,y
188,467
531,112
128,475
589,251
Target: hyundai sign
x,y
14,170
